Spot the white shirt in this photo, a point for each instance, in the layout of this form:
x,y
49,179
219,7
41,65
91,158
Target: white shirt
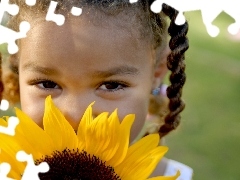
x,y
173,166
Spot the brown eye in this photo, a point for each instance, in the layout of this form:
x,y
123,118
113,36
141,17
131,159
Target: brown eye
x,y
112,86
47,85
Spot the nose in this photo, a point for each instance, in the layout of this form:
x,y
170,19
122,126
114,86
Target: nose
x,y
73,108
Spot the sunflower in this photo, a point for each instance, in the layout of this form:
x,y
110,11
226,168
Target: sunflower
x,y
99,150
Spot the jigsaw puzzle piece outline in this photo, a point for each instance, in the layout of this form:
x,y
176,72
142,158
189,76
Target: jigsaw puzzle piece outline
x,y
59,19
11,36
12,9
31,170
4,171
133,1
76,11
12,124
156,7
209,14
31,2
231,7
209,10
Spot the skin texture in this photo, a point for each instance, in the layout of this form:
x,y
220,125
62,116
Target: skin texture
x,y
79,63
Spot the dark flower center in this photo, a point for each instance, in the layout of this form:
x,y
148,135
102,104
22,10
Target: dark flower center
x,y
76,165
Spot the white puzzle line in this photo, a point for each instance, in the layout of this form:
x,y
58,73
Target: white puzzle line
x,y
12,124
12,9
210,9
4,170
51,16
31,2
76,11
31,171
11,36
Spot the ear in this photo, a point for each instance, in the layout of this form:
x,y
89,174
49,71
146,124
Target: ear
x,y
160,69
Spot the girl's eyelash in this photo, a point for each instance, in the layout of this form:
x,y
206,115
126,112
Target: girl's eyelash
x,y
37,83
106,86
113,83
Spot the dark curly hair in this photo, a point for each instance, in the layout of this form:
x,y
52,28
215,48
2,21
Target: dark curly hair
x,y
150,25
1,83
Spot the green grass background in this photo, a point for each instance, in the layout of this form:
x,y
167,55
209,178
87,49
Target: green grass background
x,y
208,139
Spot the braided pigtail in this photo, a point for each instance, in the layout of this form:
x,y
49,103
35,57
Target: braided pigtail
x,y
1,83
175,63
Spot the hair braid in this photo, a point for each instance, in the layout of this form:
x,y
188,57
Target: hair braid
x,y
1,83
175,62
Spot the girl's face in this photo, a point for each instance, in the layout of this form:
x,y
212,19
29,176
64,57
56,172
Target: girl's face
x,y
79,63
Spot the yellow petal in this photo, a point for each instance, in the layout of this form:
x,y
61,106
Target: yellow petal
x,y
113,131
140,155
3,121
58,128
142,167
13,145
124,137
103,131
17,168
84,123
141,148
32,132
166,177
96,135
9,146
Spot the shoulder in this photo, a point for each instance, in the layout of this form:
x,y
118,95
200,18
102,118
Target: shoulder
x,y
168,167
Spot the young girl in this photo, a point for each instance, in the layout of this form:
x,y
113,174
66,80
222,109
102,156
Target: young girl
x,y
114,53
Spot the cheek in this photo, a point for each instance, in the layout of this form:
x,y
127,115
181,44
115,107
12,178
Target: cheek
x,y
138,123
139,107
31,105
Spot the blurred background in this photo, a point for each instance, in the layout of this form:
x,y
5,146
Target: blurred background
x,y
208,139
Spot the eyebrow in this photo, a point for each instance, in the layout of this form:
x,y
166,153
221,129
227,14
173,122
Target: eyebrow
x,y
120,70
34,67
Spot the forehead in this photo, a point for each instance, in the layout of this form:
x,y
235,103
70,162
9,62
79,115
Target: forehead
x,y
81,40
129,21
77,32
